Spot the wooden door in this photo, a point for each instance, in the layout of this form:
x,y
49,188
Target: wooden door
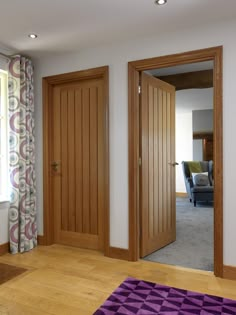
x,y
157,151
78,167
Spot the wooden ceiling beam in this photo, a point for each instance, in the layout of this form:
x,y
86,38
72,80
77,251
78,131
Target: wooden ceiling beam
x,y
190,80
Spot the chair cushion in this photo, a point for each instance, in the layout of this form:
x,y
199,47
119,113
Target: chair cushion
x,y
202,189
200,179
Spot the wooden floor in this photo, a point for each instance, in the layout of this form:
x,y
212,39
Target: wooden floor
x,y
66,280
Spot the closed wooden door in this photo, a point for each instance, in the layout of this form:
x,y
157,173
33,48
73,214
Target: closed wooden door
x,y
157,171
78,167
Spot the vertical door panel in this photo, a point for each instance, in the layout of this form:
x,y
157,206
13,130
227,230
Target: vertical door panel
x,y
86,175
101,159
155,160
160,169
150,162
78,162
56,173
64,160
71,160
157,187
94,160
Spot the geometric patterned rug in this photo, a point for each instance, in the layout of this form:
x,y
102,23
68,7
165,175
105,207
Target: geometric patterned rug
x,y
137,297
8,272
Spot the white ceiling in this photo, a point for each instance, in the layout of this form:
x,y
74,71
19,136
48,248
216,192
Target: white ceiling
x,y
72,25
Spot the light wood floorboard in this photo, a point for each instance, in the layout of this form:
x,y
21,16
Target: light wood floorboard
x,y
67,280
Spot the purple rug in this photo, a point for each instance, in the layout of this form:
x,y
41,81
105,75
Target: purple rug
x,y
137,297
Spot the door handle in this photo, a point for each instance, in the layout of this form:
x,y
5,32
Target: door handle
x,y
173,164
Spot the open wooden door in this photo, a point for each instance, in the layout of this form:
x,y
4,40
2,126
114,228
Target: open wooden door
x,y
157,170
78,166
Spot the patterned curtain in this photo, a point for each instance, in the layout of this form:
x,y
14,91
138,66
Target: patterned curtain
x,y
22,213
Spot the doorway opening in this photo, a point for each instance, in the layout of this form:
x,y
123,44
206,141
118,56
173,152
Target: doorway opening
x,y
210,54
193,244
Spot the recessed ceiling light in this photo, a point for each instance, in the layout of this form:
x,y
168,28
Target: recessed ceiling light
x,y
160,2
33,36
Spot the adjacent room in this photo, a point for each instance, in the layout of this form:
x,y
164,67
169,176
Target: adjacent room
x,y
104,160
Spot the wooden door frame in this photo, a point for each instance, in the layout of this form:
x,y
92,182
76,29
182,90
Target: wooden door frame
x,y
48,84
134,68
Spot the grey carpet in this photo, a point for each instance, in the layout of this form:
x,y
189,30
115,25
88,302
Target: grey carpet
x,y
193,247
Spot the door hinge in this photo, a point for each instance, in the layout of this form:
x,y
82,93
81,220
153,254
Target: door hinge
x,y
139,161
139,89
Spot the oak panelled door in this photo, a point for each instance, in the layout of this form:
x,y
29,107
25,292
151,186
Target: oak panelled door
x,y
157,176
78,163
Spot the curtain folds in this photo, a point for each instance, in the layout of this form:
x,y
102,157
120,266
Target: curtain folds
x,y
22,213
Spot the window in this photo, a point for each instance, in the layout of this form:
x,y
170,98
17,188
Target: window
x,y
3,137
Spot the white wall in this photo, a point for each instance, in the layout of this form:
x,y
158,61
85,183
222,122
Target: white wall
x,y
183,145
197,150
3,205
117,56
4,222
203,120
194,99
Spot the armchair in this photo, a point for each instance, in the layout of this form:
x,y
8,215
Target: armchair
x,y
199,191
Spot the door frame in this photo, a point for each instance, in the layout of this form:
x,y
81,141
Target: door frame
x,y
48,84
134,68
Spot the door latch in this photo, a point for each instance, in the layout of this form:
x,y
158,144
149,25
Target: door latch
x,y
55,165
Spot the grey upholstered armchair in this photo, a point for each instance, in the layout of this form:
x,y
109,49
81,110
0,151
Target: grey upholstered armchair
x,y
199,188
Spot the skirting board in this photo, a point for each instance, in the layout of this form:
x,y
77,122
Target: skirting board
x,y
181,194
41,240
113,252
229,272
118,253
4,249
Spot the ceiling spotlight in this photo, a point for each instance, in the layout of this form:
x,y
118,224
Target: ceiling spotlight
x,y
160,2
33,36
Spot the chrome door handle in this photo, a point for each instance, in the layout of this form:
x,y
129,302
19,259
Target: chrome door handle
x,y
173,164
